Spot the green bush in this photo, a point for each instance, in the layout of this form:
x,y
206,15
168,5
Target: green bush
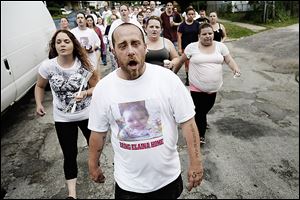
x,y
54,11
247,17
282,15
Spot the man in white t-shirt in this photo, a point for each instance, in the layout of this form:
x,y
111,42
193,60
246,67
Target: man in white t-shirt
x,y
88,38
150,102
133,15
124,11
154,11
89,12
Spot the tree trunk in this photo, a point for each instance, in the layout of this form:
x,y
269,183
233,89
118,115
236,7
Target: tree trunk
x,y
273,10
265,11
292,8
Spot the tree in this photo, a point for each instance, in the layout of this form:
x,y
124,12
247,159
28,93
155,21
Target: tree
x,y
275,10
58,4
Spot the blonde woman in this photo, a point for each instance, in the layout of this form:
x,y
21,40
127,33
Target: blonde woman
x,y
219,29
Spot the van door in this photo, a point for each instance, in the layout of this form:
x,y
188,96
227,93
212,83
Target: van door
x,y
26,29
8,87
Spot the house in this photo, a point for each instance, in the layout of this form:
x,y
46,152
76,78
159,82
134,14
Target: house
x,y
228,6
79,5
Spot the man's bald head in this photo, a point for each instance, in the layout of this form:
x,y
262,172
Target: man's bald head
x,y
129,26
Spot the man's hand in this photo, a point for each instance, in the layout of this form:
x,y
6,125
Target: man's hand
x,y
97,175
195,177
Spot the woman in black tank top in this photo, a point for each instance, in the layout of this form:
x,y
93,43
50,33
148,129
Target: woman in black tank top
x,y
219,29
158,48
157,56
218,34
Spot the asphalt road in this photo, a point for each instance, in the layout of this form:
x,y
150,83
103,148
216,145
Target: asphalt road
x,y
252,148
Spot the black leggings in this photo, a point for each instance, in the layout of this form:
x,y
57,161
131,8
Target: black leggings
x,y
203,103
67,133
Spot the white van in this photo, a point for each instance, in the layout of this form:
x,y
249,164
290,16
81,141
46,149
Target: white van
x,y
26,29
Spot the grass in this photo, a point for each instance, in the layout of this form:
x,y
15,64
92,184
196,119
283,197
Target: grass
x,y
59,16
278,23
234,31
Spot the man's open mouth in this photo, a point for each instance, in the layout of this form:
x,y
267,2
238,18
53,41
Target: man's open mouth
x,y
132,63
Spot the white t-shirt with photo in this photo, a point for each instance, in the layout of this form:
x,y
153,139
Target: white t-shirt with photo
x,y
88,37
150,161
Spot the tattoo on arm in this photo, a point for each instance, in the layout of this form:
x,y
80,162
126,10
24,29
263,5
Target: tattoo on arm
x,y
194,132
101,147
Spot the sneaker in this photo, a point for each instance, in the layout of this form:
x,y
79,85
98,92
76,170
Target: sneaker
x,y
202,140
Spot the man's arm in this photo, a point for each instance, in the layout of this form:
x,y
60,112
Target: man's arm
x,y
195,169
96,144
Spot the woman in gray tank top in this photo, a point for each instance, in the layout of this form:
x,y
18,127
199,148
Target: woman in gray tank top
x,y
159,48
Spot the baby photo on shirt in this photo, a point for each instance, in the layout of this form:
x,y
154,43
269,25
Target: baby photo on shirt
x,y
139,120
84,41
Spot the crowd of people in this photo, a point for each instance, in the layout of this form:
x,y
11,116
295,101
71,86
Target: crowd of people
x,y
142,101
176,27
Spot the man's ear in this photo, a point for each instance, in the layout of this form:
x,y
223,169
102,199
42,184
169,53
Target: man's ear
x,y
115,55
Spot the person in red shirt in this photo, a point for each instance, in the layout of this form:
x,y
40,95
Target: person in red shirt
x,y
170,21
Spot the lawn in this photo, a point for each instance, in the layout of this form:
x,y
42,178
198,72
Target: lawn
x,y
234,31
279,23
